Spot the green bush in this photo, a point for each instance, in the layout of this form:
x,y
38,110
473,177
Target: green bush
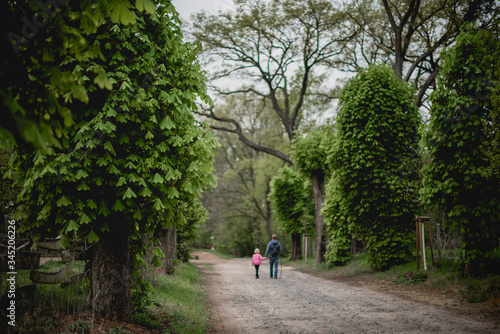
x,y
145,320
80,326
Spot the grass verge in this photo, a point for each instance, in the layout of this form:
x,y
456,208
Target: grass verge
x,y
178,305
181,301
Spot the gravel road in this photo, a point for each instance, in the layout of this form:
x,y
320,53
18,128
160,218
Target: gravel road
x,y
299,303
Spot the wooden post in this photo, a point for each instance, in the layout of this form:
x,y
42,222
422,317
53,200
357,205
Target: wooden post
x,y
420,234
417,234
430,242
422,238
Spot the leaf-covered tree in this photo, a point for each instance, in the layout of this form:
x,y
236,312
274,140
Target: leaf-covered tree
x,y
135,159
373,157
273,48
463,110
410,34
310,156
39,97
292,201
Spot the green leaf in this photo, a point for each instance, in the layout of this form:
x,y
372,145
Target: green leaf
x,y
158,205
102,80
119,12
138,215
145,192
147,5
84,219
157,178
118,206
63,201
166,123
158,252
129,193
72,226
81,173
173,193
92,237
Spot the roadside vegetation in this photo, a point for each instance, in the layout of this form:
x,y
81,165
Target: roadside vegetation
x,y
173,304
472,294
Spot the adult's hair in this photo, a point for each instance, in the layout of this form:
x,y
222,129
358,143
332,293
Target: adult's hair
x,y
274,237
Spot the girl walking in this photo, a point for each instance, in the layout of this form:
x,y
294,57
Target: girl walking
x,y
256,260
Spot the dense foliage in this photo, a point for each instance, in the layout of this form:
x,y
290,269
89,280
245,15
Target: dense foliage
x,y
461,143
135,160
291,197
373,161
309,153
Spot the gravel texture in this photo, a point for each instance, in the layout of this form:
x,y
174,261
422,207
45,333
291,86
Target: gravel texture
x,y
300,303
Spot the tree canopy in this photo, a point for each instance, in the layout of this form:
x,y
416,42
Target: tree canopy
x,y
135,160
409,35
273,48
461,145
373,156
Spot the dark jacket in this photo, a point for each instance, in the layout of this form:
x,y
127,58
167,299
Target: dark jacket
x,y
269,246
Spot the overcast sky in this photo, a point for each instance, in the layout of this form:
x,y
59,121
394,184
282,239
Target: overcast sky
x,y
187,7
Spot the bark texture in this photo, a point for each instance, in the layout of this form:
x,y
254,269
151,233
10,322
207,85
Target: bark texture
x,y
318,188
169,247
296,246
110,278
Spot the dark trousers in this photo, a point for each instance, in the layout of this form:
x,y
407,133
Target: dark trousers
x,y
257,270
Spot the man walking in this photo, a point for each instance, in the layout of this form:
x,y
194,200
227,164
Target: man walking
x,y
274,249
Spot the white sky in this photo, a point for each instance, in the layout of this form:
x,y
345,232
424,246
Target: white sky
x,y
188,7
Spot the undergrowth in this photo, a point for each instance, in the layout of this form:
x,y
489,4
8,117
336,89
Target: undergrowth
x,y
176,305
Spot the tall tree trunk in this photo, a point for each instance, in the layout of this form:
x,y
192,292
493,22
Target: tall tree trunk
x,y
168,241
296,246
110,291
318,187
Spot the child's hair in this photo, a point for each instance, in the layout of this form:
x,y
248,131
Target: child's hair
x,y
256,251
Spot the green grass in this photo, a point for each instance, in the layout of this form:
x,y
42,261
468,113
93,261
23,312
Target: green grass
x,y
178,303
183,300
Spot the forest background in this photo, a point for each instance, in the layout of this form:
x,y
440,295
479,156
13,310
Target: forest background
x,y
414,131
273,70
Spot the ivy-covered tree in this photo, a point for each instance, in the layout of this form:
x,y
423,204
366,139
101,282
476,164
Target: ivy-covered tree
x,y
37,94
463,111
291,198
310,155
338,250
373,160
135,159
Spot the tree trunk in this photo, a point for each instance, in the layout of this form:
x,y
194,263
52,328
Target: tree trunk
x,y
296,246
110,292
168,241
318,188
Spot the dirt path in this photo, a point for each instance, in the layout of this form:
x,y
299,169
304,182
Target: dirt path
x,y
299,303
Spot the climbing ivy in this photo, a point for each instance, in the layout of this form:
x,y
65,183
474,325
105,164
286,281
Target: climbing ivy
x,y
373,160
461,145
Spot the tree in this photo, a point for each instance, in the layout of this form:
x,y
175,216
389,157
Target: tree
x,y
410,34
373,159
291,200
240,211
461,115
135,159
38,95
310,155
273,49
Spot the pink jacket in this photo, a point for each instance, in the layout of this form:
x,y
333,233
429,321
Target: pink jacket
x,y
256,258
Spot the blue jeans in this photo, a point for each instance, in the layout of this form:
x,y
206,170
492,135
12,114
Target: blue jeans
x,y
274,261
